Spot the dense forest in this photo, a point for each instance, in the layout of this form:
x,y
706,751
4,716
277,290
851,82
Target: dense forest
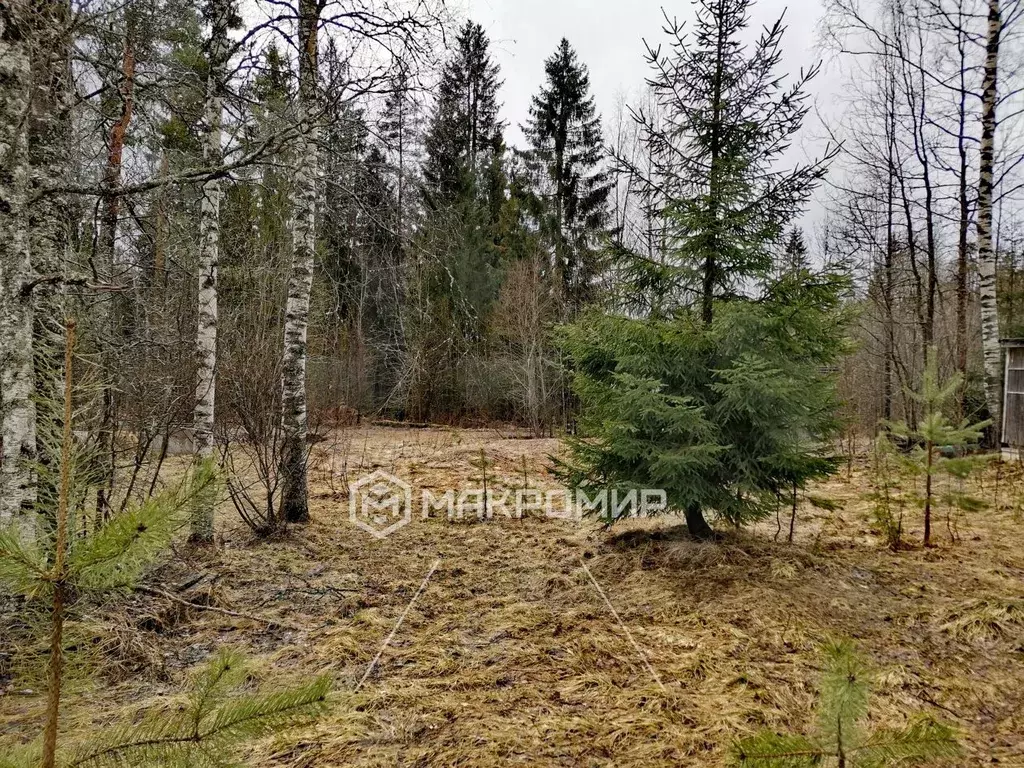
x,y
234,236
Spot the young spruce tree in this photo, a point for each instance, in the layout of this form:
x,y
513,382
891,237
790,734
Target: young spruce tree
x,y
564,159
721,394
724,418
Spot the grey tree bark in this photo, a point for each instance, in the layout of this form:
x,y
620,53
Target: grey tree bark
x,y
986,253
16,408
220,14
50,223
294,415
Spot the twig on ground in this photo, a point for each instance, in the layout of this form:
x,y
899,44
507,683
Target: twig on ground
x,y
401,618
213,609
639,651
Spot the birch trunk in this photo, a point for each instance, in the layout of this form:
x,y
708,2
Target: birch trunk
x,y
16,408
221,12
50,225
294,416
986,253
965,212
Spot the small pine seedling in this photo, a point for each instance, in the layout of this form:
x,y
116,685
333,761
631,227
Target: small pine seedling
x,y
839,737
56,569
939,443
484,465
887,495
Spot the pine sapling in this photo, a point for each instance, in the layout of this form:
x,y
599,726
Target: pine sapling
x,y
939,445
839,736
887,494
483,464
57,568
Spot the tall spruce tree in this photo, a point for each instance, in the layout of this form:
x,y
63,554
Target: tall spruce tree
x,y
461,138
725,122
564,158
719,396
464,188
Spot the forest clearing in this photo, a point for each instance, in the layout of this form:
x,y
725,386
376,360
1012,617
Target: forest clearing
x,y
488,382
510,656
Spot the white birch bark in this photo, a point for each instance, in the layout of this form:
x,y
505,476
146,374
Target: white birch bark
x,y
986,253
294,416
50,224
16,408
221,12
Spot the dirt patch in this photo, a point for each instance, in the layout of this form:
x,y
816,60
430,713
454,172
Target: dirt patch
x,y
510,655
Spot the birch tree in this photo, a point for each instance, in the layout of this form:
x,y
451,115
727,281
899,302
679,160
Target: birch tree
x,y
294,414
220,13
986,252
50,215
16,408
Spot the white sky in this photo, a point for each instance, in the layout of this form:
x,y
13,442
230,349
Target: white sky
x,y
608,37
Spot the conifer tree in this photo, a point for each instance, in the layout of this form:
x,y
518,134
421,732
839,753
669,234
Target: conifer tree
x,y
938,443
840,738
795,258
460,140
564,158
725,413
724,418
725,121
463,190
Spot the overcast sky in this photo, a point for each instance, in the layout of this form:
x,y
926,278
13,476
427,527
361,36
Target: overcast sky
x,y
608,36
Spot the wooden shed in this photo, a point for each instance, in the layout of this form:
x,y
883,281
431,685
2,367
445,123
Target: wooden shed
x,y
1013,393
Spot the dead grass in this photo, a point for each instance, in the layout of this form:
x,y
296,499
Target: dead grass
x,y
510,656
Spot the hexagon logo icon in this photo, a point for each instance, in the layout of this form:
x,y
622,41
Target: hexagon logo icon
x,y
380,503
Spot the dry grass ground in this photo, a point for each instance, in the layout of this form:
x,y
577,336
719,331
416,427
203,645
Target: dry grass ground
x,y
511,656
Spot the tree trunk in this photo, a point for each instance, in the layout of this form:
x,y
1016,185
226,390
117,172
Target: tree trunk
x,y
107,245
792,516
50,217
921,149
220,15
964,225
710,276
928,494
890,248
16,409
294,416
986,253
697,525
